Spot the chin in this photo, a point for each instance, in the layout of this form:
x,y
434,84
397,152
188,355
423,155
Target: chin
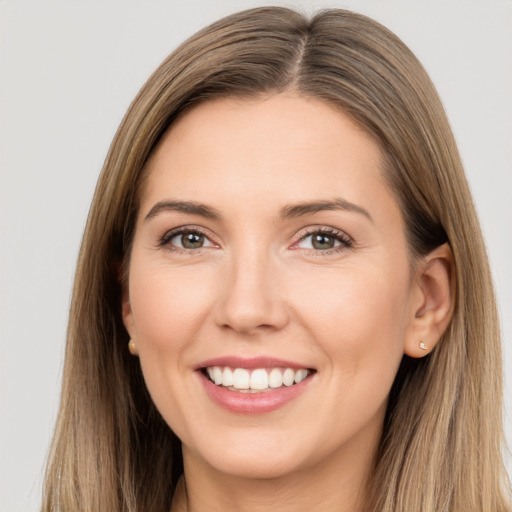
x,y
264,457
263,467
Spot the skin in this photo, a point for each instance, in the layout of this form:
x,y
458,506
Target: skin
x,y
259,287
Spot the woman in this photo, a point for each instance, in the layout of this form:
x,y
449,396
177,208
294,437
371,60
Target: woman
x,y
283,298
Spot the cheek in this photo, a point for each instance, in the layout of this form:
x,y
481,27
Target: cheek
x,y
167,314
359,317
360,326
166,307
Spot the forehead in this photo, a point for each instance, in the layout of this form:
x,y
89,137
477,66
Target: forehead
x,y
284,146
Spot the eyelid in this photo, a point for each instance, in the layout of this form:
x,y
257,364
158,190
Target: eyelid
x,y
164,240
346,241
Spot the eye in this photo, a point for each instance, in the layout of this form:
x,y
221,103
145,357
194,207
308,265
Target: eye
x,y
324,240
186,239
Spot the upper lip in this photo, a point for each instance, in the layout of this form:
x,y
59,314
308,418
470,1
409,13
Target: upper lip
x,y
250,363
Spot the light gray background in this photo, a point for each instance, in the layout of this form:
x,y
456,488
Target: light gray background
x,y
68,72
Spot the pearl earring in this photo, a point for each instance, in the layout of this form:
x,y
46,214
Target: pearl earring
x,y
132,348
423,346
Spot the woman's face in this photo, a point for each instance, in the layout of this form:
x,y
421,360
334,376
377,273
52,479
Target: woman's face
x,y
269,249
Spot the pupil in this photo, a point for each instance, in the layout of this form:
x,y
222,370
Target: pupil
x,y
192,240
323,242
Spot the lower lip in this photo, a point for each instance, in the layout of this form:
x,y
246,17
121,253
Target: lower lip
x,y
253,403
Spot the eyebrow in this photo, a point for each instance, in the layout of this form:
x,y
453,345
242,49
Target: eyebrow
x,y
300,209
289,211
190,207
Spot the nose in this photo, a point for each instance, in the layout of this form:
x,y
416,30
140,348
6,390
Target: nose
x,y
252,296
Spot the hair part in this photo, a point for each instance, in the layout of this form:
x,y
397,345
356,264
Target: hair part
x,y
441,446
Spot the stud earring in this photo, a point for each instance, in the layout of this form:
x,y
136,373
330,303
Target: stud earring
x,y
132,348
423,346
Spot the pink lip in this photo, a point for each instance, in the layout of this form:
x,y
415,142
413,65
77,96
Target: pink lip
x,y
250,363
252,403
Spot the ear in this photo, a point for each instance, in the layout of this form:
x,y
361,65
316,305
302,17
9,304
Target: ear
x,y
433,301
129,322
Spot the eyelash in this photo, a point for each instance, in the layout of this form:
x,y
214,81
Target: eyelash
x,y
166,239
345,242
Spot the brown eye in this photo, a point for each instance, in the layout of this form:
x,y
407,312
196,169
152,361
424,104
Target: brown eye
x,y
188,240
191,240
322,242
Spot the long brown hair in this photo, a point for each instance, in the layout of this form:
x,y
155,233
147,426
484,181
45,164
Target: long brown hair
x,y
441,445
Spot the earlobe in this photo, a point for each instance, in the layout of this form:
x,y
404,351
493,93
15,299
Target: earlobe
x,y
435,301
129,325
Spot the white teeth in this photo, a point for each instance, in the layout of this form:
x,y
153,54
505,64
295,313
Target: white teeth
x,y
227,377
241,378
259,379
217,375
288,377
300,375
275,378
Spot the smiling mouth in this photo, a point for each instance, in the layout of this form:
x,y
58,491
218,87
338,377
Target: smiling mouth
x,y
257,380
